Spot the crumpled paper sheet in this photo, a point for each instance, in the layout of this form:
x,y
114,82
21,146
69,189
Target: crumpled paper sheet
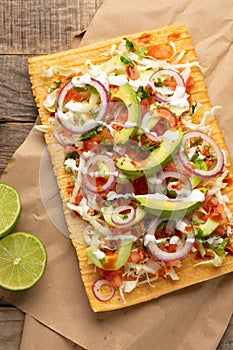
x,y
192,318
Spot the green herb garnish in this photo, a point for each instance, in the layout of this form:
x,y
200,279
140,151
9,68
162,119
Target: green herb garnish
x,y
127,61
129,44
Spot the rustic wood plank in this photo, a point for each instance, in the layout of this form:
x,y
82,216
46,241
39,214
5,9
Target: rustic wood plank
x,y
226,342
3,303
42,26
16,97
12,136
11,327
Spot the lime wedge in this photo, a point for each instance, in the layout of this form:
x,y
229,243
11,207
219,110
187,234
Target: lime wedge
x,y
10,208
22,260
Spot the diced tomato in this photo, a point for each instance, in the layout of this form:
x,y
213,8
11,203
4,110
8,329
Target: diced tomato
x,y
140,185
171,248
159,52
164,112
103,136
172,84
132,72
189,84
74,95
99,182
78,197
137,256
145,104
115,278
216,212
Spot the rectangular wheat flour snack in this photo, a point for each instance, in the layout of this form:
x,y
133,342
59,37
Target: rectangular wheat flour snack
x,y
141,164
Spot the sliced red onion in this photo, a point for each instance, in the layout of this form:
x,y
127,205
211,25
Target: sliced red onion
x,y
177,175
118,220
161,255
91,169
67,123
172,73
96,288
63,139
188,164
161,99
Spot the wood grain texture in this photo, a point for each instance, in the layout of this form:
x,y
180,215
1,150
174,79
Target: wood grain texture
x,y
31,27
42,26
11,327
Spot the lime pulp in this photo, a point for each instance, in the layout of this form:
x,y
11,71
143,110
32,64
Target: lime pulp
x,y
22,261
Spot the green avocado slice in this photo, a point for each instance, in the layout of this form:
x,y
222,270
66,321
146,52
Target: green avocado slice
x,y
166,208
105,263
157,158
127,94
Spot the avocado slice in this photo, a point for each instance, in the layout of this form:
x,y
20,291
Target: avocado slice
x,y
140,214
207,228
110,262
127,94
195,180
165,208
157,158
114,65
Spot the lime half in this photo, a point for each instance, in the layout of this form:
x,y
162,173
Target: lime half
x,y
10,208
22,260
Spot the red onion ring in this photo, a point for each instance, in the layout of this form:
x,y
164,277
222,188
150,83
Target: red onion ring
x,y
90,124
173,174
172,73
96,288
126,221
91,167
165,256
188,163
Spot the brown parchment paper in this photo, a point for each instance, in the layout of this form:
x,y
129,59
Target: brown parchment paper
x,y
193,318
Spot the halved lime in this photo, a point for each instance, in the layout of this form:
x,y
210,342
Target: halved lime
x,y
22,260
10,208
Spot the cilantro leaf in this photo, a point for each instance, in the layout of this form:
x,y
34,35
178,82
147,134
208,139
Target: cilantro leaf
x,y
129,44
127,61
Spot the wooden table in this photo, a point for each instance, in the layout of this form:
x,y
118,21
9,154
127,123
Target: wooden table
x,y
35,27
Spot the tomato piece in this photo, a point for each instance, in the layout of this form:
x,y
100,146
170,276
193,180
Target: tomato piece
x,y
189,84
172,84
140,185
103,136
145,104
216,212
132,72
74,95
159,52
164,112
78,197
115,278
137,256
98,182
